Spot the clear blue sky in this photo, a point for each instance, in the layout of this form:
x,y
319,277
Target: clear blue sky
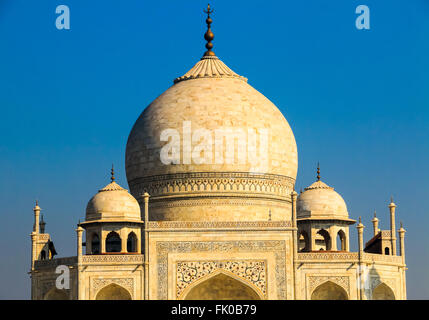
x,y
357,101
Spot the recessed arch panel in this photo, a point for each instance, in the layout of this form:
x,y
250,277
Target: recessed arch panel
x,y
222,287
329,291
113,291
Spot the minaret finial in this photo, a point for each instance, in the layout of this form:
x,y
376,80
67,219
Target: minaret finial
x,y
375,214
318,171
112,172
37,203
209,36
360,219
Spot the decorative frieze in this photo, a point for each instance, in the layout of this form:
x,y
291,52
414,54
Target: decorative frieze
x,y
330,256
213,182
253,271
116,258
218,224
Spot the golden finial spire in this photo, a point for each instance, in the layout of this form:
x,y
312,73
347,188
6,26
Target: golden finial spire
x,y
209,36
318,171
112,172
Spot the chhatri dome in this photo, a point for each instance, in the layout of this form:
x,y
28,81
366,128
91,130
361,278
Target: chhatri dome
x,y
321,201
113,203
209,98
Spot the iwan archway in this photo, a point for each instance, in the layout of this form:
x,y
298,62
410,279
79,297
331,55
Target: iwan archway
x,y
329,291
113,292
383,292
221,287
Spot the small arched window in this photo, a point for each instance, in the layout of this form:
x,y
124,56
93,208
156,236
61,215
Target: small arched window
x,y
113,242
132,242
341,241
323,240
386,251
95,244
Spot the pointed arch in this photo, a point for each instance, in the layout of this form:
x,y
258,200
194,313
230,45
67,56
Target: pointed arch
x,y
132,242
329,291
323,239
95,243
113,291
341,240
221,285
56,294
383,292
113,242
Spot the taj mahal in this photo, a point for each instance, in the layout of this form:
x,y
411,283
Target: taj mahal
x,y
212,212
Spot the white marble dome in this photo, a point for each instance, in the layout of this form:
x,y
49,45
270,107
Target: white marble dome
x,y
211,97
113,203
321,201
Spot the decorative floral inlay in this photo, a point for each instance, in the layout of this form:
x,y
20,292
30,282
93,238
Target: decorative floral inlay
x,y
278,247
253,271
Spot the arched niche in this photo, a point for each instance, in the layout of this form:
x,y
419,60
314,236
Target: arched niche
x,y
329,291
113,291
132,242
95,244
383,292
341,241
56,294
222,287
323,240
113,242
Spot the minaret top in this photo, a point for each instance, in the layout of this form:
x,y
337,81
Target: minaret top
x,y
36,207
401,229
392,204
209,36
375,216
360,225
42,225
318,171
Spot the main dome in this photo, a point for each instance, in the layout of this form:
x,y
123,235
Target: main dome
x,y
209,147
